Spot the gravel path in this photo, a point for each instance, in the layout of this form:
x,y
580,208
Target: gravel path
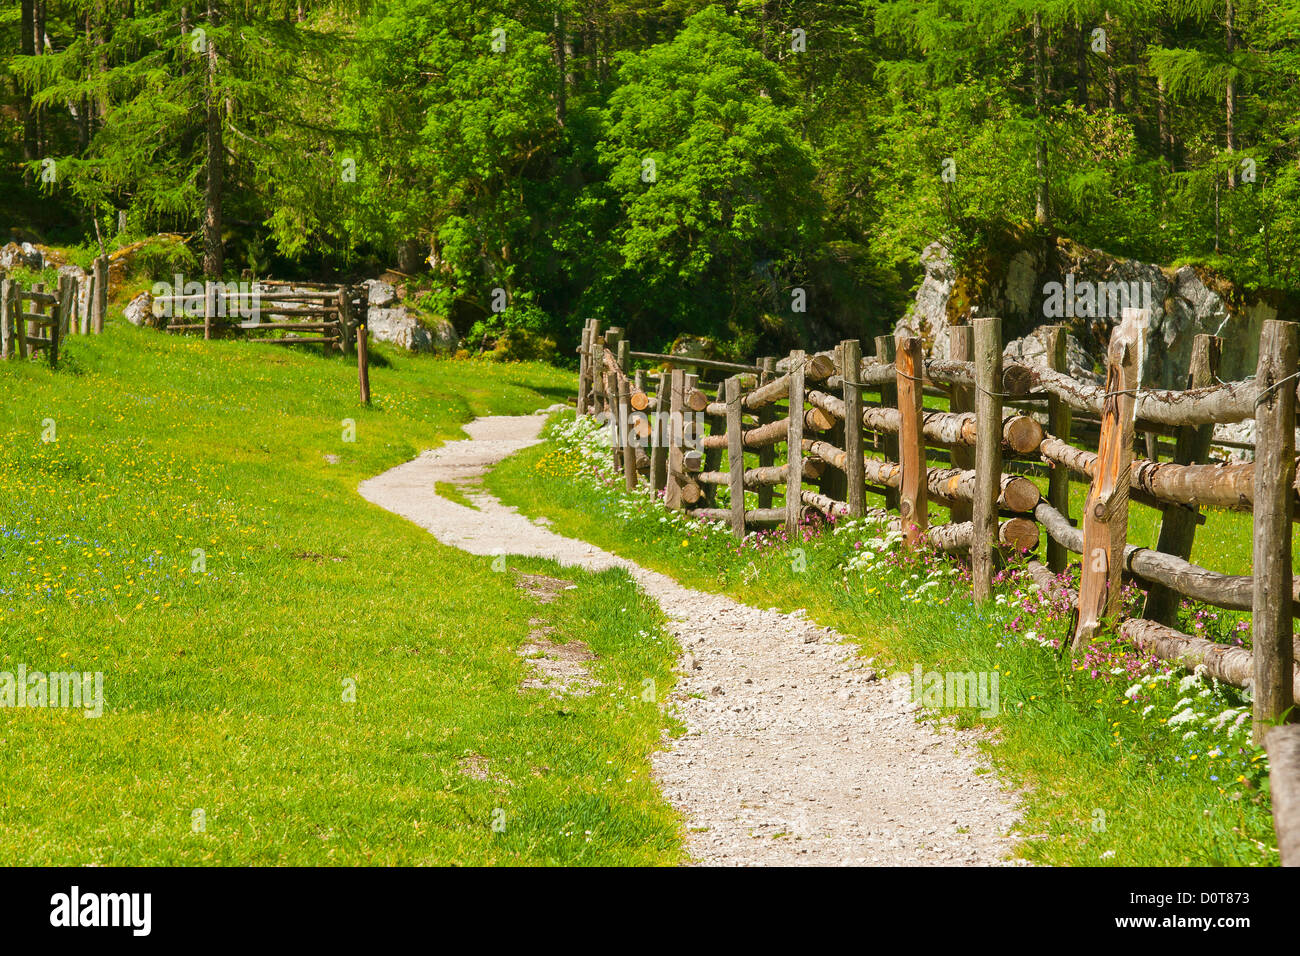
x,y
794,753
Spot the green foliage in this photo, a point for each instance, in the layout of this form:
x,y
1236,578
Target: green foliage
x,y
499,151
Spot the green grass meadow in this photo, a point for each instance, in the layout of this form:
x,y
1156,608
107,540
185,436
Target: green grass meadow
x,y
292,675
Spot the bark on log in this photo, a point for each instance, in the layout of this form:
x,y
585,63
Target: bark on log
x,y
1192,446
961,398
1219,485
1283,744
1230,591
1049,583
1018,533
1020,433
816,369
1226,662
638,399
1105,512
1059,420
1226,403
763,476
1270,619
911,442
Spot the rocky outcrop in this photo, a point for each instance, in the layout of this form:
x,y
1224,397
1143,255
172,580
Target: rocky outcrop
x,y
390,321
139,311
1032,350
16,256
1059,282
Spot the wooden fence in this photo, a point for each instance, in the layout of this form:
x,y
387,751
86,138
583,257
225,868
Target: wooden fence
x,y
828,429
33,320
279,313
274,313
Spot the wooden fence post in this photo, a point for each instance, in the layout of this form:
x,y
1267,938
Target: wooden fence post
x,y
834,482
766,454
17,323
987,334
717,425
1178,522
363,364
888,443
855,473
347,329
1105,513
961,348
1058,423
626,434
6,320
209,307
613,342
597,363
100,290
913,504
49,344
1283,745
673,486
85,287
661,435
794,447
64,308
584,368
735,457
1271,624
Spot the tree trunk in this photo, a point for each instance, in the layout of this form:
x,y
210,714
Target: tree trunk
x,y
1230,95
1041,205
213,251
27,46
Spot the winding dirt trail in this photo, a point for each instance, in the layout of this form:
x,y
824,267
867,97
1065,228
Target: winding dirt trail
x,y
794,753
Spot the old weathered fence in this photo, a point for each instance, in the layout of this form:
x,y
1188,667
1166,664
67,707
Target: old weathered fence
x,y
273,313
278,313
830,411
812,421
33,320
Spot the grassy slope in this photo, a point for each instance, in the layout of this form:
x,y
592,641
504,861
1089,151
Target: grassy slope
x,y
1107,785
224,688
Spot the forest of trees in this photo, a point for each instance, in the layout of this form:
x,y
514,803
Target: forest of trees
x,y
666,165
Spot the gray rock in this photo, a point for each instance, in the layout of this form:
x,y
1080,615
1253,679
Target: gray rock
x,y
400,327
1090,292
444,335
380,293
1032,350
139,311
15,256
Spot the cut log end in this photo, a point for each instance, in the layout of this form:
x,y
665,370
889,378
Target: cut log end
x,y
819,367
697,400
1020,494
818,419
1017,380
1019,533
1023,434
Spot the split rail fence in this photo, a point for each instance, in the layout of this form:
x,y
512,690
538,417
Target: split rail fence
x,y
33,320
279,313
825,430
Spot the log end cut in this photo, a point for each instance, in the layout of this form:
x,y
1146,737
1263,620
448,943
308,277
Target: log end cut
x,y
1019,533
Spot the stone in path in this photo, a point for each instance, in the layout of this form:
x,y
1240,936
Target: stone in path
x,y
794,753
